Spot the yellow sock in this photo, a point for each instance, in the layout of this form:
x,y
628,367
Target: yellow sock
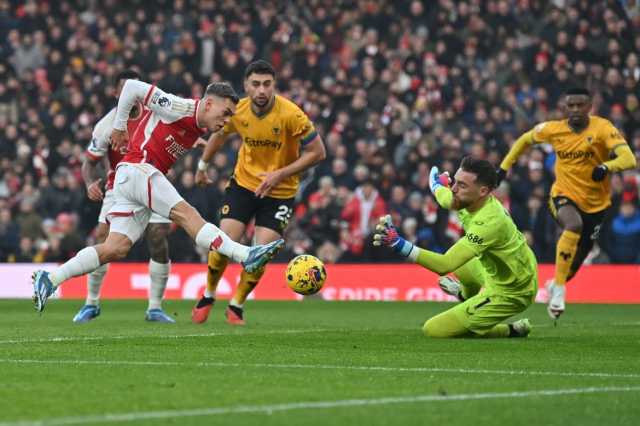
x,y
565,252
216,266
246,285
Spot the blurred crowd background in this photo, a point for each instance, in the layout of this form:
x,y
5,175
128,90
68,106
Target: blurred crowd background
x,y
393,87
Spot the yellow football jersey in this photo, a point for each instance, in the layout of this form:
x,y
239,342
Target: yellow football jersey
x,y
576,156
269,142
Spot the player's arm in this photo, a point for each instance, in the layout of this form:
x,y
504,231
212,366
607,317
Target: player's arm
x,y
518,147
93,173
624,158
169,107
213,145
459,254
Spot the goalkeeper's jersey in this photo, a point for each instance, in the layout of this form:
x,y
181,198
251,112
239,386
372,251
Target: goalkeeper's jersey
x,y
510,264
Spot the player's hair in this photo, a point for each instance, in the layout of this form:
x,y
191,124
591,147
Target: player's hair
x,y
127,75
578,91
259,67
484,170
222,89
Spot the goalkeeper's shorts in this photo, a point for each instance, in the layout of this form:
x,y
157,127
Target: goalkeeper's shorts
x,y
485,310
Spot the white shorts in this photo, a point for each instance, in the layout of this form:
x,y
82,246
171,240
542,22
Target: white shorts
x,y
109,200
139,191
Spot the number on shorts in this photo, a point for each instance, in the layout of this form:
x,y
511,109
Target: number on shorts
x,y
596,232
283,214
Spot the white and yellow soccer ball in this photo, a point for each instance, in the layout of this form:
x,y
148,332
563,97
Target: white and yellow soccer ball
x,y
305,274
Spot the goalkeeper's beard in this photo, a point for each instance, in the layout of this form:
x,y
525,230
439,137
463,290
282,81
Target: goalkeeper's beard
x,y
458,204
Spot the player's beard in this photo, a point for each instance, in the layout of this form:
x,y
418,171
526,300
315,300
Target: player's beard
x,y
261,102
458,204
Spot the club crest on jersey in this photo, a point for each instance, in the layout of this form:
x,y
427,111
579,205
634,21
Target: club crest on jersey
x,y
244,123
589,140
276,131
164,102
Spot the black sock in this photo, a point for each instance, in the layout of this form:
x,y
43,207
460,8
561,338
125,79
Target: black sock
x,y
236,310
205,301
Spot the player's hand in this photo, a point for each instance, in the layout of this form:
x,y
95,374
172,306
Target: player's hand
x,y
500,175
94,190
119,139
200,143
599,173
269,181
202,178
437,180
386,235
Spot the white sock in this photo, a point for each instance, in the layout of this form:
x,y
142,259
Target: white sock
x,y
159,273
86,260
235,303
94,284
209,294
210,237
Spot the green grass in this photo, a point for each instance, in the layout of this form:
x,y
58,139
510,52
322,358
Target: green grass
x,y
320,355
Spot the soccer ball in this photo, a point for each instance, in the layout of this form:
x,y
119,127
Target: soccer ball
x,y
305,274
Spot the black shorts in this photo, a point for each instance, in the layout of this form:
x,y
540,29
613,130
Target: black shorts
x,y
591,224
241,204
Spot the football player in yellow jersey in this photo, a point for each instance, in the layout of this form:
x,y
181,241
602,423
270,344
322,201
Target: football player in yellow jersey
x,y
580,195
278,143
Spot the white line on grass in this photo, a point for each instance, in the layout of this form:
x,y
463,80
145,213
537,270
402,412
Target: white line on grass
x,y
272,408
160,336
323,367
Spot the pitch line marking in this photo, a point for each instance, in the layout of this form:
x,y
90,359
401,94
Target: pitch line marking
x,y
284,407
160,336
323,367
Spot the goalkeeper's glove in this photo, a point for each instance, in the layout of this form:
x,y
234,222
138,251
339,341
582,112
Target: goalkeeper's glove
x,y
437,180
387,235
599,173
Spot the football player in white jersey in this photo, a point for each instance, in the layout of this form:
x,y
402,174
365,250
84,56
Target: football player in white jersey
x,y
156,234
168,130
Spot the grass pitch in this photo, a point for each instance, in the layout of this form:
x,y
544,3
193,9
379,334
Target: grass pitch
x,y
313,363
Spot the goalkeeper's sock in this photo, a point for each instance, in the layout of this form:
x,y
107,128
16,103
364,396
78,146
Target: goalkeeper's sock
x,y
248,281
500,330
216,265
565,253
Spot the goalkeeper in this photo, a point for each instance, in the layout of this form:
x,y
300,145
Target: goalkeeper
x,y
495,269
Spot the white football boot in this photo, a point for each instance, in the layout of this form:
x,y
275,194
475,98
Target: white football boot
x,y
556,295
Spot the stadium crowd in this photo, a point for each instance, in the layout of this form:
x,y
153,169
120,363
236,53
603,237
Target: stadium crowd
x,y
393,87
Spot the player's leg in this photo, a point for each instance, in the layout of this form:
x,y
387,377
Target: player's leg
x,y
592,223
272,217
165,200
470,279
238,208
570,219
159,267
88,259
91,308
128,216
216,265
481,316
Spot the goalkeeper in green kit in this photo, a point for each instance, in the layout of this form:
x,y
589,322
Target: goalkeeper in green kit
x,y
495,270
